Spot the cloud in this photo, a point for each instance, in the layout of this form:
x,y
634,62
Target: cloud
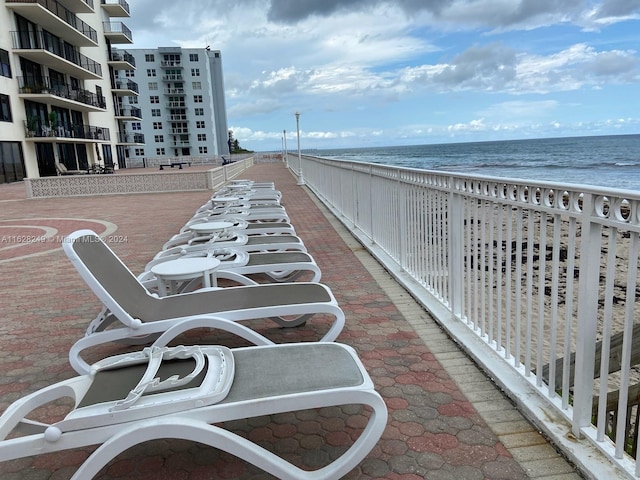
x,y
365,65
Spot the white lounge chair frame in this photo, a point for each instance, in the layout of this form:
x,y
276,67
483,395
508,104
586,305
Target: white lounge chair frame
x,y
235,264
257,389
142,314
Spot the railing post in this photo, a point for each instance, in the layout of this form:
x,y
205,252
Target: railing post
x,y
456,249
588,284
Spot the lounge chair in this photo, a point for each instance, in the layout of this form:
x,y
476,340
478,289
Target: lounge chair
x,y
236,265
236,240
124,402
245,227
62,169
142,315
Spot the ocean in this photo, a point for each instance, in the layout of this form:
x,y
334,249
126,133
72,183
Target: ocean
x,y
609,161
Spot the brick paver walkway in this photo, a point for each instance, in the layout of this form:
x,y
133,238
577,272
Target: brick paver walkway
x,y
434,430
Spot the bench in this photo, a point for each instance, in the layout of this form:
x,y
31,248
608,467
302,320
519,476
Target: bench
x,y
173,164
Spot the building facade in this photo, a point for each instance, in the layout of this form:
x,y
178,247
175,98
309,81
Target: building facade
x,y
60,102
182,102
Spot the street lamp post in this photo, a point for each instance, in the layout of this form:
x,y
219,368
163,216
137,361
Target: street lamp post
x,y
300,176
286,154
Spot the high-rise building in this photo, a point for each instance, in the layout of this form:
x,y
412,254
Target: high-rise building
x,y
182,103
60,103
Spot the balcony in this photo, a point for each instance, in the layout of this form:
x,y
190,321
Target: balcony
x,y
174,91
171,63
177,118
172,77
181,143
117,32
122,60
49,50
130,138
176,105
79,6
37,130
180,131
60,95
116,8
54,17
125,88
128,113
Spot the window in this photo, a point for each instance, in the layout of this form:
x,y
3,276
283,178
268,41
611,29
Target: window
x,y
154,99
202,149
202,137
200,124
193,57
5,109
198,111
5,66
139,152
149,57
158,138
151,72
197,99
196,85
195,72
153,85
155,112
159,151
157,125
133,100
129,73
136,126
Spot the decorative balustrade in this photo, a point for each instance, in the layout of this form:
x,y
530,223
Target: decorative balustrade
x,y
543,274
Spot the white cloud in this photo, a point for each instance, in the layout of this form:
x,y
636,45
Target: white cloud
x,y
346,59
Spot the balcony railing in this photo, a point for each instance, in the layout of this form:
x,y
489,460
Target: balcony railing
x,y
29,85
174,91
176,105
130,138
65,15
122,3
117,28
177,117
171,63
172,77
126,85
122,56
537,280
25,40
37,128
128,112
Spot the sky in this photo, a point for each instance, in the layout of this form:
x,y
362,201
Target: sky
x,y
368,73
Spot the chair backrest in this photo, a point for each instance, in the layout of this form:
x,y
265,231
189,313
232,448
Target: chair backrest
x,y
110,279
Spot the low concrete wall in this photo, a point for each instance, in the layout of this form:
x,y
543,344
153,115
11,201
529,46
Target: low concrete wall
x,y
139,182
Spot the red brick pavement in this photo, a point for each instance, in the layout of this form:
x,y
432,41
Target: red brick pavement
x,y
433,430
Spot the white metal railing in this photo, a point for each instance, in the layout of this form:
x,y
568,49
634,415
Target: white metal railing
x,y
543,273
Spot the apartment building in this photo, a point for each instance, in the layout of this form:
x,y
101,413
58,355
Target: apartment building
x,y
60,101
182,102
